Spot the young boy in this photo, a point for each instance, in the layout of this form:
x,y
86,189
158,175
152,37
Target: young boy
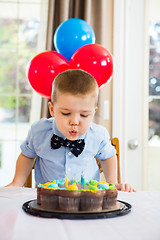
x,y
72,107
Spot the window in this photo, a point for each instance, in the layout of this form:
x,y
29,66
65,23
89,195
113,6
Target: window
x,y
154,82
22,25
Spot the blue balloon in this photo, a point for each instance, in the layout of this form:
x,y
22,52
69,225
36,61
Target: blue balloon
x,y
71,35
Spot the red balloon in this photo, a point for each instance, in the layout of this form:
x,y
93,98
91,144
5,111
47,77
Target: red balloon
x,y
42,70
94,59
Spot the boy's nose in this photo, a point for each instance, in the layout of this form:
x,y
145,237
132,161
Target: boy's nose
x,y
74,121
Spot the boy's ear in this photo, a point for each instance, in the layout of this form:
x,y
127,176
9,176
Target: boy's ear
x,y
51,108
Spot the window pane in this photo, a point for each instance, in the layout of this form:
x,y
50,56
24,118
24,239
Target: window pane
x,y
8,25
8,59
154,72
7,109
22,132
154,86
29,25
24,58
155,62
8,151
154,120
7,131
154,33
24,109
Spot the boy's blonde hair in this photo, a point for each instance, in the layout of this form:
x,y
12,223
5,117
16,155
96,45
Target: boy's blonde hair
x,y
75,82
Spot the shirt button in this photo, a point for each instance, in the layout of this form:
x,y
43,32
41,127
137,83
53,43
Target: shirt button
x,y
69,153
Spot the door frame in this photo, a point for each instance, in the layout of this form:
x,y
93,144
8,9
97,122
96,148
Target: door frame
x,y
128,52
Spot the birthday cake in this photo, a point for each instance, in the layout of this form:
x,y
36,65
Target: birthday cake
x,y
73,195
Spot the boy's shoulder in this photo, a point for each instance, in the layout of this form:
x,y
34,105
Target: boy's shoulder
x,y
98,131
97,127
42,125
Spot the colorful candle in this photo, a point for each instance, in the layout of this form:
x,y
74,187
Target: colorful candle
x,y
83,183
66,182
72,181
82,180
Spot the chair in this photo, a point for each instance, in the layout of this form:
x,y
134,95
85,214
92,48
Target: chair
x,y
115,143
28,182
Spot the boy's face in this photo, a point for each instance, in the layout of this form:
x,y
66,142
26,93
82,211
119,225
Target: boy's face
x,y
73,114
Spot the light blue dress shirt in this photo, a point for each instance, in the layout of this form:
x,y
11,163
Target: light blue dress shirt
x,y
53,164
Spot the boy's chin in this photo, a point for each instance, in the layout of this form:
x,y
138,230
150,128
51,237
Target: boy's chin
x,y
72,138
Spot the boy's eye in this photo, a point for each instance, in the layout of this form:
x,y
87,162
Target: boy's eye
x,y
82,115
65,114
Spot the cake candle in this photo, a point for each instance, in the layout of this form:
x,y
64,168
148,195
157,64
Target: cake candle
x,y
72,181
83,183
66,182
82,180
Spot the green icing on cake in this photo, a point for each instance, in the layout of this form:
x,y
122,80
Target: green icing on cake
x,y
93,188
75,185
93,182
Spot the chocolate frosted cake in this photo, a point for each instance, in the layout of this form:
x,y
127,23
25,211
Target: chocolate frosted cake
x,y
73,196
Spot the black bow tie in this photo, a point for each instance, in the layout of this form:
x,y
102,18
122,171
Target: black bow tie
x,y
76,147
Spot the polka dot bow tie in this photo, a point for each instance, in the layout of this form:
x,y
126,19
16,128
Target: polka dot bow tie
x,y
76,147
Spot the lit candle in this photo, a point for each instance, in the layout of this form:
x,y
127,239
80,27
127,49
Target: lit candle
x,y
72,181
66,182
83,183
82,180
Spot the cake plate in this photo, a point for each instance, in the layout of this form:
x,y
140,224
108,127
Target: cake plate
x,y
31,207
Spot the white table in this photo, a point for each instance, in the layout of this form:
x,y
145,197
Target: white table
x,y
142,223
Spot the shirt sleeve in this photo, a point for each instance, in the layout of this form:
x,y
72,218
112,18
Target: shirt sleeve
x,y
106,149
27,147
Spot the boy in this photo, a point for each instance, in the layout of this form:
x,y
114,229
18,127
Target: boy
x,y
68,142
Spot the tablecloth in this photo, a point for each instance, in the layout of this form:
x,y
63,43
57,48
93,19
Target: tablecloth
x,y
142,223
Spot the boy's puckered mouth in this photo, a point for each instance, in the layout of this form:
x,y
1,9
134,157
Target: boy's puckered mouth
x,y
73,133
